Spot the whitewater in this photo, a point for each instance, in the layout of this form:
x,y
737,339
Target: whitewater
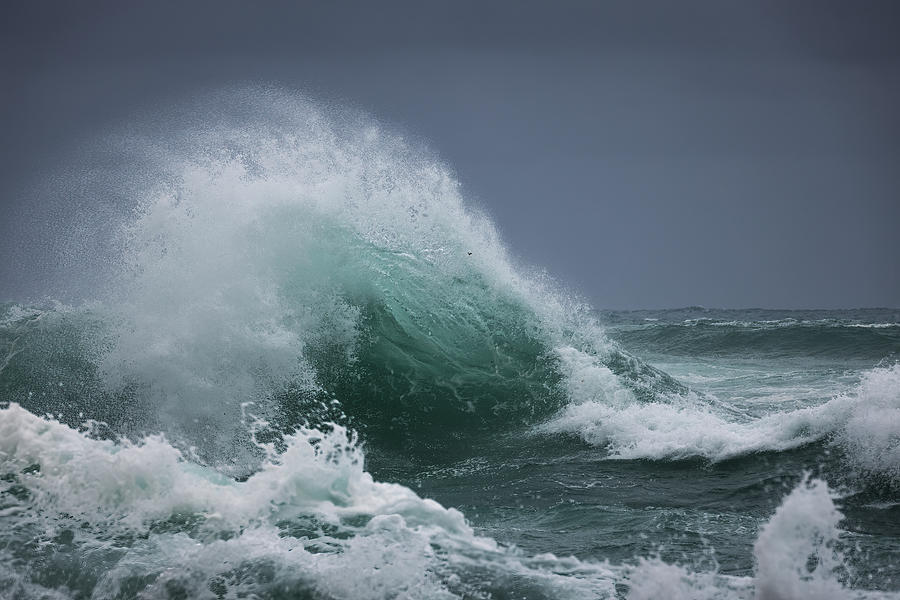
x,y
287,358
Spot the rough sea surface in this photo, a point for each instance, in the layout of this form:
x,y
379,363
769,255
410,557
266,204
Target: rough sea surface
x,y
307,368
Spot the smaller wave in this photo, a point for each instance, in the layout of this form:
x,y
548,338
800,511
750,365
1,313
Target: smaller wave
x,y
864,423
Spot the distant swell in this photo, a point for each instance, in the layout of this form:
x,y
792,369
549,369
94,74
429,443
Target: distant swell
x,y
786,337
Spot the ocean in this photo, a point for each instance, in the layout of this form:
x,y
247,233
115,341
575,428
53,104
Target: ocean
x,y
307,367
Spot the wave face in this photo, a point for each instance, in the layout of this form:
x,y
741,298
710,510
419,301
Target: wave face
x,y
281,285
320,259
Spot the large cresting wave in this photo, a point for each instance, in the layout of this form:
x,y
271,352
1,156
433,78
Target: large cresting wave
x,y
315,265
324,269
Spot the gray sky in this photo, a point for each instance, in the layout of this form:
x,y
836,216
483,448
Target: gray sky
x,y
648,154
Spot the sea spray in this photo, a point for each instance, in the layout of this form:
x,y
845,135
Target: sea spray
x,y
797,551
870,437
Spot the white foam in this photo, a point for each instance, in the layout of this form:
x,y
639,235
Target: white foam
x,y
654,579
132,485
384,540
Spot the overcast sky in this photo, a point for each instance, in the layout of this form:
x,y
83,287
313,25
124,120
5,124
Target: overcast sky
x,y
648,154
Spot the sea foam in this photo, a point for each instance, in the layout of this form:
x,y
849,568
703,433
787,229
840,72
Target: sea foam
x,y
313,519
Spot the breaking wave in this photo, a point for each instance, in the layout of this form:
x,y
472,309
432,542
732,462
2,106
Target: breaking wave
x,y
283,284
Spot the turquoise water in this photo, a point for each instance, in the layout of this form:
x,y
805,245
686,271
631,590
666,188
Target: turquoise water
x,y
309,369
